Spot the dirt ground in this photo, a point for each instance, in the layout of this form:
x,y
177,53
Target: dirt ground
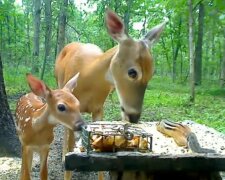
x,y
10,167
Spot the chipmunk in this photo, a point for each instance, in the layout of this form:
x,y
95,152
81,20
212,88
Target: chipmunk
x,y
182,135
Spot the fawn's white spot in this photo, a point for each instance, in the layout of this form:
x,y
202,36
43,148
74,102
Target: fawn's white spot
x,y
27,119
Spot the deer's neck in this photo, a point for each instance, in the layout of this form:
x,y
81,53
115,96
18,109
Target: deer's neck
x,y
103,62
43,119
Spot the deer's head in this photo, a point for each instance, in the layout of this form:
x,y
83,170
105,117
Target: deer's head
x,y
132,66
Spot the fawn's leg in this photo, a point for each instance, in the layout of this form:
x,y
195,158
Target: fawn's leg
x,y
43,162
100,175
69,142
27,157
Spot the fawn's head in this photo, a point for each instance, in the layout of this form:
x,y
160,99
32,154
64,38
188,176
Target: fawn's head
x,y
62,105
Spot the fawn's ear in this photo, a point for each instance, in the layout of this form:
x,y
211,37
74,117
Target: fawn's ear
x,y
37,86
154,34
115,26
72,83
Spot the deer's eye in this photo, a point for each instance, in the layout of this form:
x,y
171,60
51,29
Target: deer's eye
x,y
61,107
132,73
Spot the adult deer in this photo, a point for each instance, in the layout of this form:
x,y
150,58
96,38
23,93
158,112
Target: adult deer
x,y
37,113
128,67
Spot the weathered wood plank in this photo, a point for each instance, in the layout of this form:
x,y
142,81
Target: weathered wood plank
x,y
143,161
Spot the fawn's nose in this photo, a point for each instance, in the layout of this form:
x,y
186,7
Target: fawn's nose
x,y
78,124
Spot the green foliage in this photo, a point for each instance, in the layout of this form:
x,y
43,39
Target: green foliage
x,y
85,23
165,100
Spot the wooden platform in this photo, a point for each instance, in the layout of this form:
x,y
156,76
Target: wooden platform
x,y
166,155
143,161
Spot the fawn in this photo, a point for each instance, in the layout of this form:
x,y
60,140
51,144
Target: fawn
x,y
37,113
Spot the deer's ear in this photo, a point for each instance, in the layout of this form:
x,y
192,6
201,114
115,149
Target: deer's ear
x,y
115,26
72,83
153,35
37,86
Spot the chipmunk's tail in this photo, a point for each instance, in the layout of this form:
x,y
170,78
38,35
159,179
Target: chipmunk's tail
x,y
182,135
194,145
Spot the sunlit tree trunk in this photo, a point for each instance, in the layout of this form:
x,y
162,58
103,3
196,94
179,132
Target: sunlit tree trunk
x,y
143,31
56,45
27,26
171,36
48,34
8,137
206,56
213,51
127,15
198,49
166,54
9,54
37,18
181,64
191,51
1,36
176,50
222,74
15,36
62,25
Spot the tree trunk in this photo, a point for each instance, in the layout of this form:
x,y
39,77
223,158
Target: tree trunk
x,y
222,74
1,36
143,31
15,37
172,46
48,34
37,19
127,15
166,54
213,53
9,55
27,27
207,57
181,64
175,55
117,5
191,51
62,25
10,144
56,45
198,49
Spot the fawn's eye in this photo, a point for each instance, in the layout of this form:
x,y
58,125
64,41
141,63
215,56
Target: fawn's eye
x,y
132,73
61,107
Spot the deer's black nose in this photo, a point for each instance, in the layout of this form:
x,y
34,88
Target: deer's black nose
x,y
133,118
